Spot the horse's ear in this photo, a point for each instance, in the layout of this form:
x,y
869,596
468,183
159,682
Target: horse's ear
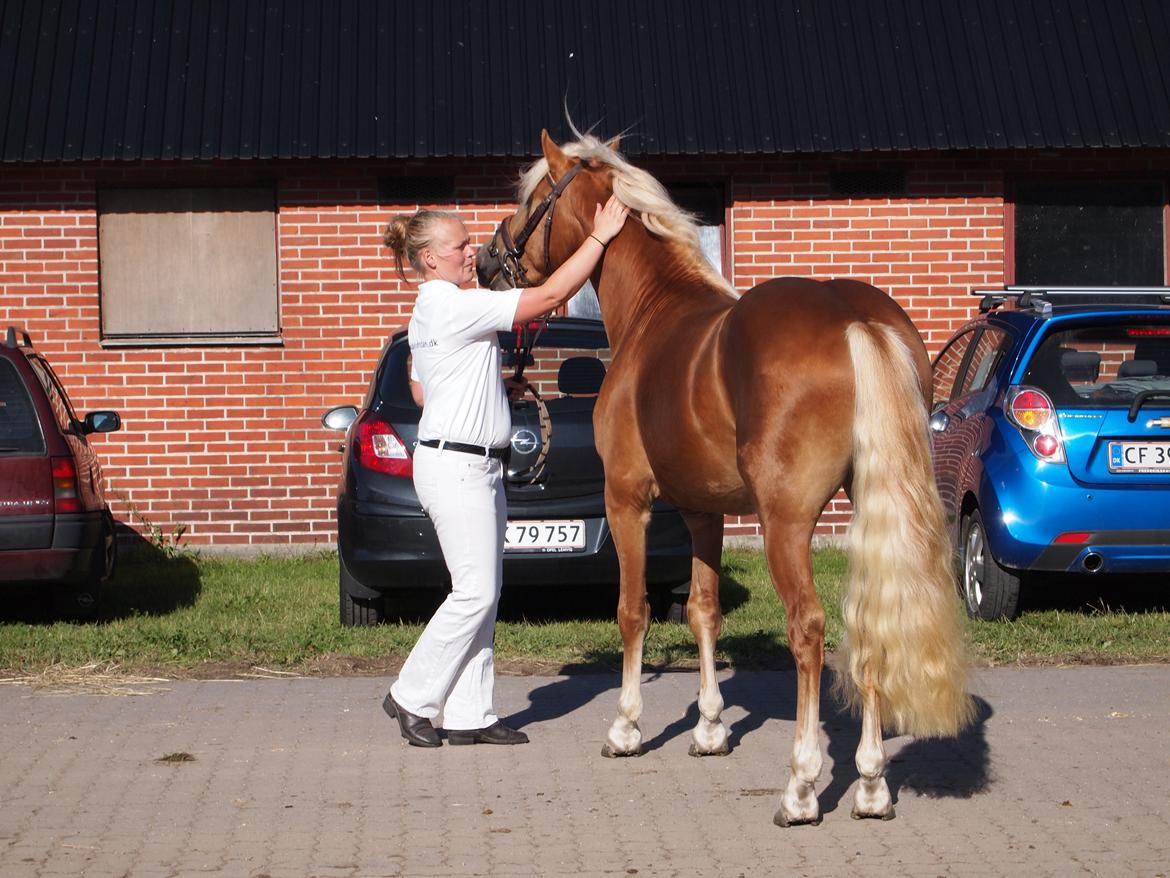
x,y
558,162
615,142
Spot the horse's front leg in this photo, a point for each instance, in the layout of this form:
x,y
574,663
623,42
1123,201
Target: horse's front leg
x,y
706,618
627,522
872,798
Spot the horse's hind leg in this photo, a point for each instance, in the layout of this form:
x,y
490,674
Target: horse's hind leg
x,y
705,617
872,798
787,549
627,523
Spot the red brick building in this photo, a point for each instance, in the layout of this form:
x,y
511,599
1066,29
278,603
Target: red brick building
x,y
192,197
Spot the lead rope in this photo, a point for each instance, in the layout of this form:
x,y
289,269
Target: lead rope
x,y
535,472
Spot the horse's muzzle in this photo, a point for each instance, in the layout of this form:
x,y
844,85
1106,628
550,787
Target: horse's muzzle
x,y
487,268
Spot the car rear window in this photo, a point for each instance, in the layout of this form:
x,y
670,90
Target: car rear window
x,y
547,366
20,433
1102,366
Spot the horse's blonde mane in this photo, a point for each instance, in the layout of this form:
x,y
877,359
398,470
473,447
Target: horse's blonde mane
x,y
644,195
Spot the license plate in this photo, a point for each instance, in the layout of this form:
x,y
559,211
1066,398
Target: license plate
x,y
1139,457
545,536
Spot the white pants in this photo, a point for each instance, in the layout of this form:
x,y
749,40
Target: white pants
x,y
450,669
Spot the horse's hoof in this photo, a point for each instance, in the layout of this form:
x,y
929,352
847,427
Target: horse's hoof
x,y
609,753
782,819
721,750
857,815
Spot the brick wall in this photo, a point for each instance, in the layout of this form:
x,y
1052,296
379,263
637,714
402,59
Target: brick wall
x,y
226,441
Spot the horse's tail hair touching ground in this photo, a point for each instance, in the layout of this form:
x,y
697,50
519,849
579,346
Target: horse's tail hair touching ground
x,y
903,633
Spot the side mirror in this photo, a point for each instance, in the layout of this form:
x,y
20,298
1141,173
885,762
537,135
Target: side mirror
x,y
939,422
101,422
340,418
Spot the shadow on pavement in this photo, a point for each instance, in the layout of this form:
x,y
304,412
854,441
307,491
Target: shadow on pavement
x,y
957,767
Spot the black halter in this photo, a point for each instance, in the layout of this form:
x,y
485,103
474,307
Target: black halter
x,y
509,257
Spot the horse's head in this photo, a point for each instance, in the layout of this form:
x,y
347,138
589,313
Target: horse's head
x,y
558,194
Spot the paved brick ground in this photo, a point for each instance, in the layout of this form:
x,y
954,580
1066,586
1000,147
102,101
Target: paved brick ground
x,y
1066,773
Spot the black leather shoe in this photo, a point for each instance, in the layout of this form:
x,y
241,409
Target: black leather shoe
x,y
497,733
417,730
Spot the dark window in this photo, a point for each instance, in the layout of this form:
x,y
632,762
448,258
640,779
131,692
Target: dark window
x,y
1088,233
707,201
882,183
416,190
20,433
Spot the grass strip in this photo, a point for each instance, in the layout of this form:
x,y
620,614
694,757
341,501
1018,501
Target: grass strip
x,y
191,615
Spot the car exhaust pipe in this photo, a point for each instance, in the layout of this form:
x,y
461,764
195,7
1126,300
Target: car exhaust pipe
x,y
1092,562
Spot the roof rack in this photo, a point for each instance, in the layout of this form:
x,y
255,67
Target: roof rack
x,y
1041,299
11,337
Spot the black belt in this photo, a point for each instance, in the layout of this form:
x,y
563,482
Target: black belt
x,y
481,450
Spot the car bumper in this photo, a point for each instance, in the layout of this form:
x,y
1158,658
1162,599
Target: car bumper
x,y
383,553
1024,524
72,556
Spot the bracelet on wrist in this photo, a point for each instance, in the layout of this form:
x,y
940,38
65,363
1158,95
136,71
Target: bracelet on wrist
x,y
598,240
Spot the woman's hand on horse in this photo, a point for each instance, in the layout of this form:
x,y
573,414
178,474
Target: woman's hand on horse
x,y
608,220
566,280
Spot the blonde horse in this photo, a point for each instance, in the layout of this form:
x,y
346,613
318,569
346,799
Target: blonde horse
x,y
764,403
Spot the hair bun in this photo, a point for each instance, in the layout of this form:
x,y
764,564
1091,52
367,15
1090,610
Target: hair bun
x,y
395,236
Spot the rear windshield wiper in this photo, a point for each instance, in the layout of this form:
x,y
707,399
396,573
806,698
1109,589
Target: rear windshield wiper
x,y
1140,399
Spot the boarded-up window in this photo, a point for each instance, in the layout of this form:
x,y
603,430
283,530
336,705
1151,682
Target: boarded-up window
x,y
184,265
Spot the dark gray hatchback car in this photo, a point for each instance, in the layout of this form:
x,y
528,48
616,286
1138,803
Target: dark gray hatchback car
x,y
557,534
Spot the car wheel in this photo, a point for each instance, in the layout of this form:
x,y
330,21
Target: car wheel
x,y
109,561
359,611
83,602
669,603
80,603
989,591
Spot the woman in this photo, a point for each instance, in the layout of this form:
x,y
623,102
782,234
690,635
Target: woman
x,y
458,463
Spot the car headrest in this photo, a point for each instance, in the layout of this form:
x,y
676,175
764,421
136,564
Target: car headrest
x,y
1082,366
580,376
1137,369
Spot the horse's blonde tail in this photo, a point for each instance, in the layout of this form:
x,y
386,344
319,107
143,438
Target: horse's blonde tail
x,y
903,635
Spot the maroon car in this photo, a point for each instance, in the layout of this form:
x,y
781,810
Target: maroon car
x,y
56,530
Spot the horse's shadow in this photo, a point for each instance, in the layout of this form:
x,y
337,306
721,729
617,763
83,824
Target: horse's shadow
x,y
958,767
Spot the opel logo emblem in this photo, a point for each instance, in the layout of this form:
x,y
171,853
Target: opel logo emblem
x,y
524,441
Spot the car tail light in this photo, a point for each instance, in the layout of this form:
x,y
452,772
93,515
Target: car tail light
x,y
381,449
1033,413
1031,409
65,497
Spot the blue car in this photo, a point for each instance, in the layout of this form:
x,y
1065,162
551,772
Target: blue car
x,y
1051,429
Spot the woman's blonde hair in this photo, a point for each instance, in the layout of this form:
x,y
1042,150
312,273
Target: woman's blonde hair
x,y
408,234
